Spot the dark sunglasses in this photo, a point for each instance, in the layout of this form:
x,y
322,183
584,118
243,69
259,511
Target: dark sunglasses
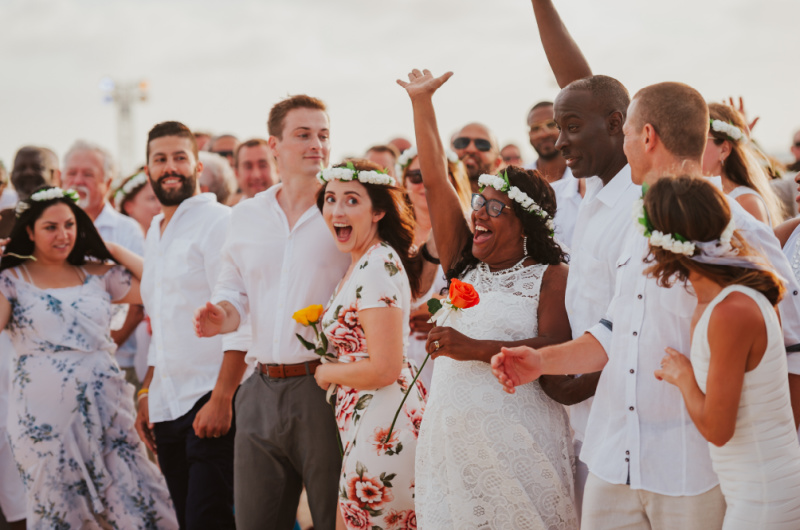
x,y
414,176
226,154
480,144
797,144
493,206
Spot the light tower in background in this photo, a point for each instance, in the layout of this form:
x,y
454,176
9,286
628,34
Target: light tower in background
x,y
124,96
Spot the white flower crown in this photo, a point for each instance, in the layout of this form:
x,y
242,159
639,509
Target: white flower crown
x,y
729,130
409,154
676,243
350,173
46,195
517,195
139,179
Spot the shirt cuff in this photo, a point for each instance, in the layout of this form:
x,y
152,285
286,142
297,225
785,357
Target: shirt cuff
x,y
234,298
240,340
602,332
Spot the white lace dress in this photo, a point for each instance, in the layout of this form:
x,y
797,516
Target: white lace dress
x,y
759,468
487,459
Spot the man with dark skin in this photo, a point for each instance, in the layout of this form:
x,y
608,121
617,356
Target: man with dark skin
x,y
589,113
33,167
543,134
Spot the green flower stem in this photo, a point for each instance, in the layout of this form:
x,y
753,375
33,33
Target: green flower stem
x,y
338,435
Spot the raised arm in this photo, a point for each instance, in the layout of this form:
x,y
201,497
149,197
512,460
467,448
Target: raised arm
x,y
450,229
565,58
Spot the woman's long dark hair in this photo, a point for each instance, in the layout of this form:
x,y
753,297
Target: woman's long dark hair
x,y
397,225
88,243
542,247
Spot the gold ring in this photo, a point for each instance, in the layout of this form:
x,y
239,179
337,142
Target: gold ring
x,y
435,345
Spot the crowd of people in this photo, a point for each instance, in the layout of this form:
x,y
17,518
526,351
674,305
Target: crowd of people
x,y
433,335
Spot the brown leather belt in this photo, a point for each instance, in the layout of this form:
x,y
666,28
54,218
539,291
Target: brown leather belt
x,y
282,371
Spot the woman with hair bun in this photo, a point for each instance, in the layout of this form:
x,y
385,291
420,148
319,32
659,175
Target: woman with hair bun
x,y
486,459
728,155
71,419
366,322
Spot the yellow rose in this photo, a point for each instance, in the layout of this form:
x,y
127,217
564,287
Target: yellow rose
x,y
306,316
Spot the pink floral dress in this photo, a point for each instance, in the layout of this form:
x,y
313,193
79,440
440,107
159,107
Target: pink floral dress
x,y
376,490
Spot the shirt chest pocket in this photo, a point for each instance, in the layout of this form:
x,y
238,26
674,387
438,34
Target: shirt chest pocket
x,y
622,265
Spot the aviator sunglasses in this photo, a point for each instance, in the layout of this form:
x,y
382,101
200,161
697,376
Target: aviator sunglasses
x,y
493,206
480,144
414,176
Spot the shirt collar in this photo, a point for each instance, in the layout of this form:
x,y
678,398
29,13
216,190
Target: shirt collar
x,y
183,207
615,189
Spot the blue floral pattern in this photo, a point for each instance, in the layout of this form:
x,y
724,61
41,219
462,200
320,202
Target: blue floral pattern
x,y
71,417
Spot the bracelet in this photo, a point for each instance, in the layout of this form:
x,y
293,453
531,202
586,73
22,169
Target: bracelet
x,y
142,391
427,255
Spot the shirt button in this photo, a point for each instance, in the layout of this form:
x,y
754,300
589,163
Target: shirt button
x,y
631,370
639,297
627,459
630,408
794,293
635,333
627,452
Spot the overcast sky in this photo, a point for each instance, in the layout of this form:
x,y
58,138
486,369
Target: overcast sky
x,y
219,66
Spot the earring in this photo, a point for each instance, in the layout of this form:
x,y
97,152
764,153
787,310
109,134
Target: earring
x,y
524,245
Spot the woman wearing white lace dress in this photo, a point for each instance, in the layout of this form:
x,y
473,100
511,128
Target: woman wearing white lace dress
x,y
486,459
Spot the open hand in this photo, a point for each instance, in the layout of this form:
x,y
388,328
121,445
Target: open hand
x,y
676,368
423,83
740,108
208,320
516,366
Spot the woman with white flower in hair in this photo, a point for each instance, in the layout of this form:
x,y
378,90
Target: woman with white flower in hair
x,y
366,323
486,459
736,385
729,155
433,280
71,418
136,199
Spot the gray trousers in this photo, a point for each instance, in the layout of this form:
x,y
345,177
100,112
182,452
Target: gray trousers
x,y
285,438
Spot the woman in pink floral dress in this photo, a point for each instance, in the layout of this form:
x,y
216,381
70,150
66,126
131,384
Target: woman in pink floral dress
x,y
366,322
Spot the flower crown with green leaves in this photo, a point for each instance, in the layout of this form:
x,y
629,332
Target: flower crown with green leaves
x,y
411,153
501,183
349,172
134,182
733,132
676,243
46,195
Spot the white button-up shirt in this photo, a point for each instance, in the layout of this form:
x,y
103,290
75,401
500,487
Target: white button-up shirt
x,y
639,428
603,220
181,267
568,201
122,230
270,271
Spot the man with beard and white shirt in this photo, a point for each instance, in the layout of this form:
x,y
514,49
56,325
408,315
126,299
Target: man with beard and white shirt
x,y
477,148
543,133
181,265
89,170
280,257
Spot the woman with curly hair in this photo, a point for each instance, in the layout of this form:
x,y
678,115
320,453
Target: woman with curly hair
x,y
485,459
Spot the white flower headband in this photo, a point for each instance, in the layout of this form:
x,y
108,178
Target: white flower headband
x,y
734,133
677,244
139,179
351,173
46,195
411,153
500,183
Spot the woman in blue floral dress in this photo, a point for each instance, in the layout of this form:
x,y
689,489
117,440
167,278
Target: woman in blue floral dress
x,y
367,324
71,419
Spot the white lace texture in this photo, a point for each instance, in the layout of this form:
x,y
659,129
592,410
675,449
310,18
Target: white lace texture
x,y
487,459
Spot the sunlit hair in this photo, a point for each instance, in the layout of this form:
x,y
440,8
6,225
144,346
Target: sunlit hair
x,y
610,94
698,211
396,227
254,142
742,166
171,128
80,146
217,176
277,114
542,247
679,115
88,243
458,178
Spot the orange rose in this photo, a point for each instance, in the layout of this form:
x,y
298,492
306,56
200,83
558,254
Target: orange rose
x,y
463,295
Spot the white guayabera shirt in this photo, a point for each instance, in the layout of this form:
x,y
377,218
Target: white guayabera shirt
x,y
603,220
181,267
639,430
270,271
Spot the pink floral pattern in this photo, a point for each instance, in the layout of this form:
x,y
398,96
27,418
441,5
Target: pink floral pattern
x,y
376,489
